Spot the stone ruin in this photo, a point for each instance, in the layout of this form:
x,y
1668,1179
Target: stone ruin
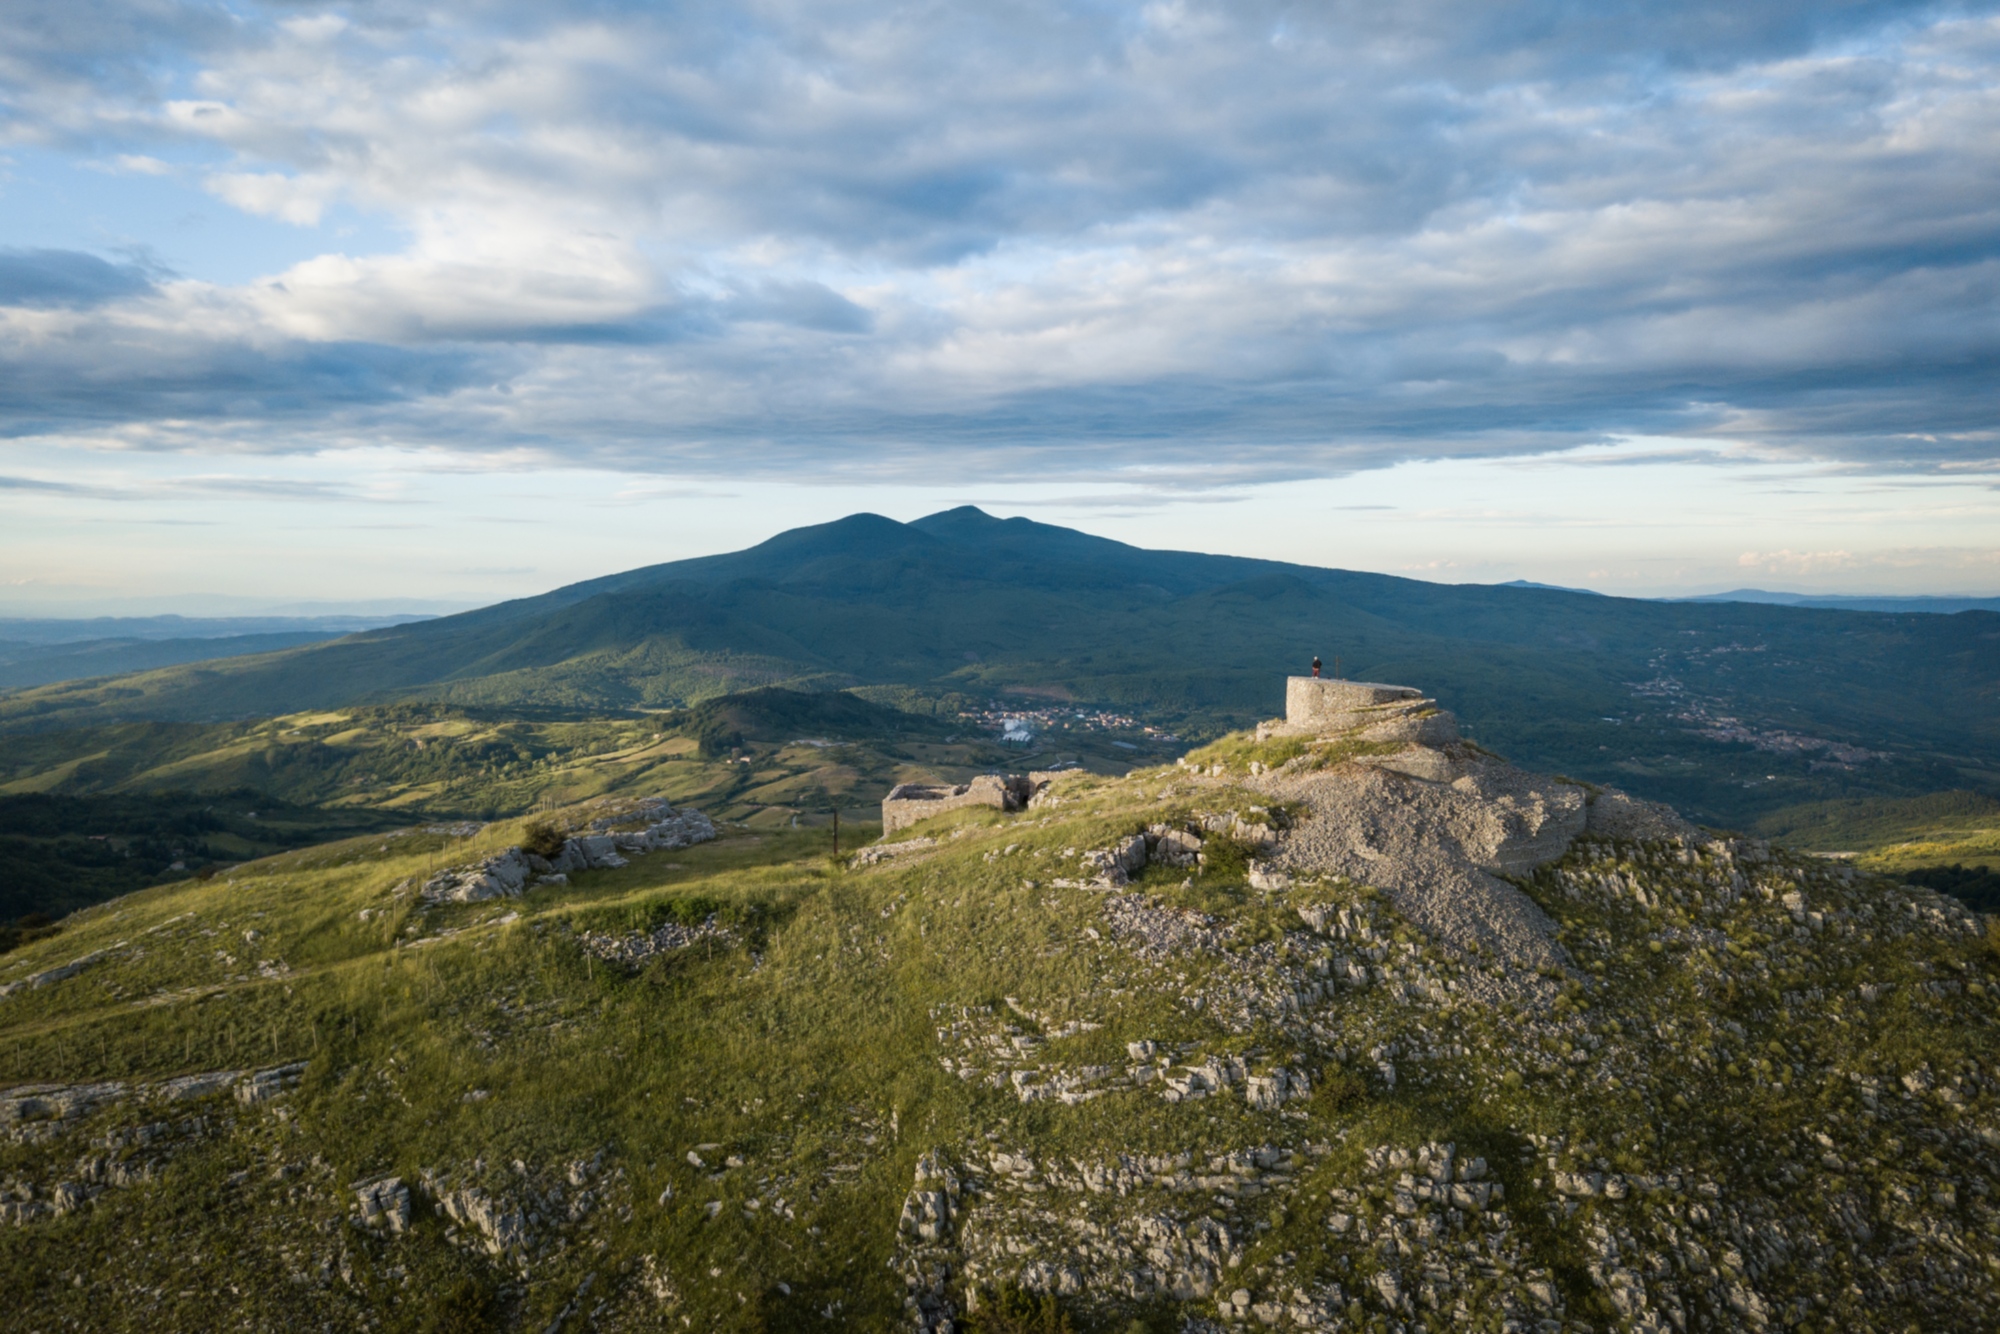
x,y
908,803
1316,706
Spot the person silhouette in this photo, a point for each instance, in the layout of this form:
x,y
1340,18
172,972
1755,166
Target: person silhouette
x,y
1315,666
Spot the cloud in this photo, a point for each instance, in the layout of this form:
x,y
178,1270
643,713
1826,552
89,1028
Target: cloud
x,y
1202,244
46,278
47,485
1795,562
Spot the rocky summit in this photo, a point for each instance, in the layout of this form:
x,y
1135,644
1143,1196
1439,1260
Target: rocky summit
x,y
1341,1024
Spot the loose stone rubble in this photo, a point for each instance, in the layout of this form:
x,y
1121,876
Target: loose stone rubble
x,y
635,948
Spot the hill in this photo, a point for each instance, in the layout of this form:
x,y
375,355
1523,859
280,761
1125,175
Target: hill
x,y
96,812
26,664
1727,709
1936,605
1349,1027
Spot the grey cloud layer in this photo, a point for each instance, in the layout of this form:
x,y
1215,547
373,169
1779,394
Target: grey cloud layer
x,y
1219,241
43,278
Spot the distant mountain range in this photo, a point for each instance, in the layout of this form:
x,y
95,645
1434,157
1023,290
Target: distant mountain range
x,y
1946,606
1940,606
43,650
45,630
1686,701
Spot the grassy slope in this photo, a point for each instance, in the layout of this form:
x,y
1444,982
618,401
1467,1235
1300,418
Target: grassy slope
x,y
479,1042
1896,835
783,758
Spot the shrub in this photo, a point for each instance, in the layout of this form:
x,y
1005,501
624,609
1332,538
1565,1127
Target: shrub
x,y
27,927
463,1308
717,740
1012,1310
1339,1091
543,838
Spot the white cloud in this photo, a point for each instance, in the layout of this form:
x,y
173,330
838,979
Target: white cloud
x,y
295,199
1796,562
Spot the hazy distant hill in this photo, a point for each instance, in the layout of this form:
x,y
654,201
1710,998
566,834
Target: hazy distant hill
x,y
1945,606
46,664
1726,708
44,630
44,650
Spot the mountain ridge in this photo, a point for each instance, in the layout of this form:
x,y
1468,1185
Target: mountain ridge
x,y
961,602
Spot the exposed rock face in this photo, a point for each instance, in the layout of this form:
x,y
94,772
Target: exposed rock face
x,y
503,876
1432,846
908,803
384,1203
924,1236
500,1227
1410,808
637,947
508,873
35,981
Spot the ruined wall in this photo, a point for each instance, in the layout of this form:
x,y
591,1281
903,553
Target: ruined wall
x,y
1312,701
1317,706
908,803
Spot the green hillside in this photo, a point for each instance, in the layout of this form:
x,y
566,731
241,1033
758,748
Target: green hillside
x,y
1729,710
747,1086
89,814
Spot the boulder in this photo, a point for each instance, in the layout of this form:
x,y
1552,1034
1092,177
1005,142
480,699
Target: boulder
x,y
1171,846
384,1203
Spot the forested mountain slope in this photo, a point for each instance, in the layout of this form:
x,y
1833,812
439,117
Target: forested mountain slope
x,y
1692,702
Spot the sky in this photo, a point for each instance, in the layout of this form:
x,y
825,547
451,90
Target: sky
x,y
417,305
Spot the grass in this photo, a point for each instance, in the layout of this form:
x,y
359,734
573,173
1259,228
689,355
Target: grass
x,y
478,1047
1197,644
1237,751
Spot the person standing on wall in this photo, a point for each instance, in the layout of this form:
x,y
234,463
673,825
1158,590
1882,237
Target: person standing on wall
x,y
1315,666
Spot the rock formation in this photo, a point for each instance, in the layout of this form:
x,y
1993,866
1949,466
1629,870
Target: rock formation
x,y
506,874
1397,799
908,803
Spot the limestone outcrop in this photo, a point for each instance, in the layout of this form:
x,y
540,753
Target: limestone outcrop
x,y
508,873
1395,798
908,803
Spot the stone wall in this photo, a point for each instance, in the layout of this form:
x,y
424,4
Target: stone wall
x,y
908,803
1318,706
1312,701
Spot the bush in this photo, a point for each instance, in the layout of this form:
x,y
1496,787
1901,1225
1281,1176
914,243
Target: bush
x,y
1011,1310
543,838
463,1308
1977,887
1339,1091
27,927
717,740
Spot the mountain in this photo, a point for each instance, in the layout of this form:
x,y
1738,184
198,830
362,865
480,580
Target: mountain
x,y
1336,1027
1557,588
1940,606
1728,709
81,629
28,664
